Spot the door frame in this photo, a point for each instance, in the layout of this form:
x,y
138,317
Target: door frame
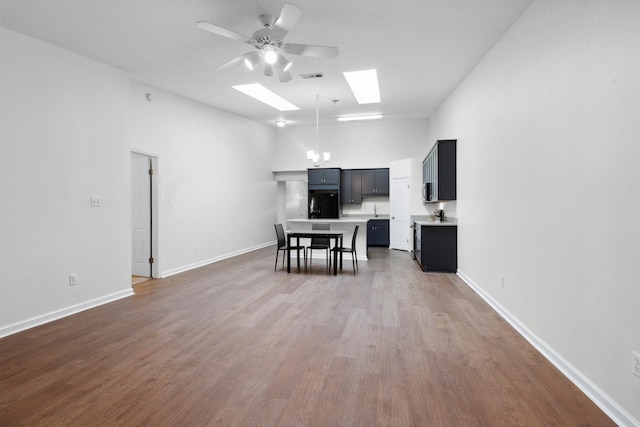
x,y
155,211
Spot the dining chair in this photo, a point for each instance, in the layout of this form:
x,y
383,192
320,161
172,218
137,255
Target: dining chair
x,y
352,250
321,243
282,246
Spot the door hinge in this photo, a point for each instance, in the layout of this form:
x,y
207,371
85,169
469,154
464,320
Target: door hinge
x,y
151,171
151,260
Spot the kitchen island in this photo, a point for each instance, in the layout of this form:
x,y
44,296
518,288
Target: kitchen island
x,y
346,224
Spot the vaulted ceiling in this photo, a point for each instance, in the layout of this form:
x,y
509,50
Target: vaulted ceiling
x,y
421,49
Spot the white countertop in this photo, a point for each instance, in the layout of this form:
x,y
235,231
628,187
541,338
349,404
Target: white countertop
x,y
435,222
344,219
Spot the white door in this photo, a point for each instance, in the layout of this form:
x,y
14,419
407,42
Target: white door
x,y
400,214
140,215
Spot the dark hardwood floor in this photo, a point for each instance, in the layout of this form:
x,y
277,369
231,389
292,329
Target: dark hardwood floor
x,y
237,344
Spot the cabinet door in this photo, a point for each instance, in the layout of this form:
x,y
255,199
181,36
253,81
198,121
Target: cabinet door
x,y
375,182
351,187
371,233
315,176
331,176
382,181
439,248
368,181
383,233
446,170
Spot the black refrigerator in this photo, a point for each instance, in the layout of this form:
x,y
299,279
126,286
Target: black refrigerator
x,y
324,204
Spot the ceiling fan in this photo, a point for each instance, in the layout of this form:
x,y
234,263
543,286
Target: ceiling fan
x,y
269,44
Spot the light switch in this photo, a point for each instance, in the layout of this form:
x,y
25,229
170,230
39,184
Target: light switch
x,y
96,201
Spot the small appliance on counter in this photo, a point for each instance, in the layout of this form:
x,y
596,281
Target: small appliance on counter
x,y
439,213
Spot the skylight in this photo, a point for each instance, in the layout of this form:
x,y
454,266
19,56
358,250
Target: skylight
x,y
364,85
262,94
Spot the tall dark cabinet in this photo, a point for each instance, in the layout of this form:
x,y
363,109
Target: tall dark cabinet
x,y
439,172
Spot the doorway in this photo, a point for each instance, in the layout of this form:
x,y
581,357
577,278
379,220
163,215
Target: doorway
x,y
400,213
142,217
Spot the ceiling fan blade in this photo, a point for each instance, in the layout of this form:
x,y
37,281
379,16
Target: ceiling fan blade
x,y
233,62
310,50
221,31
288,18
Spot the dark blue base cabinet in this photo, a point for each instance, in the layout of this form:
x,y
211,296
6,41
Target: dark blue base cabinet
x,y
436,248
378,232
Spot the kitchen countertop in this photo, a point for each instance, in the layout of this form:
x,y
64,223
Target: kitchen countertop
x,y
344,219
432,221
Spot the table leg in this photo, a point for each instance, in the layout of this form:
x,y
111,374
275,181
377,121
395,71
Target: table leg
x,y
298,252
288,254
341,253
335,256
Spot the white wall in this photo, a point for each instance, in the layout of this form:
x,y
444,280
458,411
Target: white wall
x,y
549,184
68,127
352,145
62,140
217,192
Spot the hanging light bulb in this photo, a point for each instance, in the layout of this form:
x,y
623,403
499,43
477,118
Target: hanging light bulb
x,y
270,55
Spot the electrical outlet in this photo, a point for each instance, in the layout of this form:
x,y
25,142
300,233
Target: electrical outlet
x,y
73,279
502,281
96,201
636,364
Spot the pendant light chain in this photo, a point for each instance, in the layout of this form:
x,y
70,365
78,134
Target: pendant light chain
x,y
318,125
315,156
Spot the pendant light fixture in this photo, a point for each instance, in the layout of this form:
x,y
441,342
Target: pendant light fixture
x,y
314,156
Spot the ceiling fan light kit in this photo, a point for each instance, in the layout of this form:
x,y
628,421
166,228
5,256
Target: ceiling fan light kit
x,y
251,60
269,43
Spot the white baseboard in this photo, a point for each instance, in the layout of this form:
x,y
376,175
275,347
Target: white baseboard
x,y
618,414
64,312
198,264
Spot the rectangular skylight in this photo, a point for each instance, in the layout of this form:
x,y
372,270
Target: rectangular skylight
x,y
262,94
364,85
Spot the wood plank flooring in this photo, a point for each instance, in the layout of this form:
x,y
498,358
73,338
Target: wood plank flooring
x,y
237,344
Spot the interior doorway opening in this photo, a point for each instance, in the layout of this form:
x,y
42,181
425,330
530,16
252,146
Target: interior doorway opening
x,y
143,229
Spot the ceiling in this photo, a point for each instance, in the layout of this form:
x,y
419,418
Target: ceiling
x,y
422,49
